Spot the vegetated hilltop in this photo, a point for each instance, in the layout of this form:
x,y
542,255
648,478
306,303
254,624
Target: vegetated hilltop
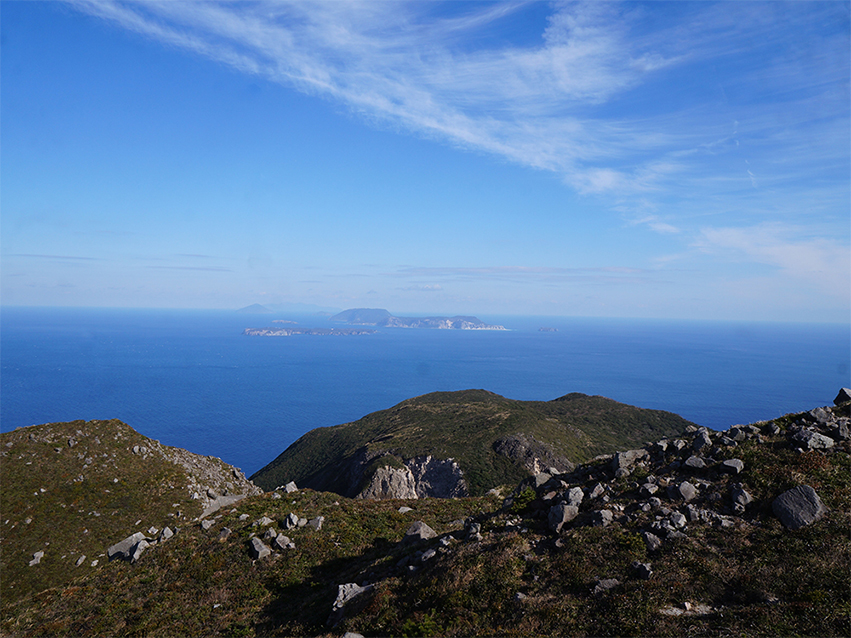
x,y
741,532
70,490
448,444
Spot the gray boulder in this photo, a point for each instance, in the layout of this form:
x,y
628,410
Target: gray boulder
x,y
701,441
560,514
843,396
798,507
652,541
124,549
574,496
347,594
813,440
37,558
686,491
695,463
625,460
602,518
732,466
419,531
258,548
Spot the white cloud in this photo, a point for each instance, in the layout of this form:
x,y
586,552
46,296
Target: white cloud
x,y
822,262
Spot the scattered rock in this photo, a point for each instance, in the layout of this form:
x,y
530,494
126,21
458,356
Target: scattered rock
x,y
346,594
642,570
258,548
124,549
418,531
560,514
843,396
37,558
605,585
224,533
798,507
732,466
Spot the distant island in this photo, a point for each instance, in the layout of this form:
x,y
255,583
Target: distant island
x,y
382,318
547,329
287,332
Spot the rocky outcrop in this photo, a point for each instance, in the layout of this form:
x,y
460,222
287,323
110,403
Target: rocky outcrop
x,y
420,477
688,481
390,482
532,454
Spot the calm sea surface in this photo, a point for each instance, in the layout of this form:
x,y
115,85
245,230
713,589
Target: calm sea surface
x,y
191,379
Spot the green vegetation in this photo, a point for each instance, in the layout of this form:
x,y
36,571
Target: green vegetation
x,y
465,426
520,579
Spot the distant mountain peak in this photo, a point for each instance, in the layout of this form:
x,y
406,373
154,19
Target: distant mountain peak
x,y
255,309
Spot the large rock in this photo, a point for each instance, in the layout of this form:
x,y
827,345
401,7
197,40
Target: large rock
x,y
560,514
843,396
124,549
258,548
390,482
798,507
419,531
625,460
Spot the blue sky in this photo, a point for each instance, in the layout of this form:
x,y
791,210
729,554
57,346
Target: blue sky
x,y
676,160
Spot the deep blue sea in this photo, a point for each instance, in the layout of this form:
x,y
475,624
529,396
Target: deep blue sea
x,y
191,379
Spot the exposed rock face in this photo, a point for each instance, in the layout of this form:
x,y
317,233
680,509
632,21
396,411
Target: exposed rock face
x,y
531,453
390,482
421,477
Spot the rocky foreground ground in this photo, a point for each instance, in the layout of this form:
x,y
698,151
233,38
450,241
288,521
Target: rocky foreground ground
x,y
743,531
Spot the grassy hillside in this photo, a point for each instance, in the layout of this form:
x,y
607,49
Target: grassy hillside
x,y
73,489
725,572
464,426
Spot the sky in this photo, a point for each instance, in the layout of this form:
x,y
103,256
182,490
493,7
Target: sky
x,y
678,160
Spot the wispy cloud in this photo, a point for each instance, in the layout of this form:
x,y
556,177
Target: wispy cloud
x,y
819,261
551,104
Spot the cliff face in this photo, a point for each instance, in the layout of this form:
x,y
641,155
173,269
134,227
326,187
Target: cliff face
x,y
420,477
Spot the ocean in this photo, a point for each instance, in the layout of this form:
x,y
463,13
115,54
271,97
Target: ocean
x,y
192,379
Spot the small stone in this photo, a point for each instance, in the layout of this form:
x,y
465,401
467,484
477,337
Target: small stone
x,y
602,518
223,534
404,509
642,570
732,466
166,534
652,541
37,558
290,487
207,524
316,523
80,560
211,493
605,585
428,554
678,520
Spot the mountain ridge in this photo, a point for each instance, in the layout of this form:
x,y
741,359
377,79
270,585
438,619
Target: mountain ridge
x,y
491,439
